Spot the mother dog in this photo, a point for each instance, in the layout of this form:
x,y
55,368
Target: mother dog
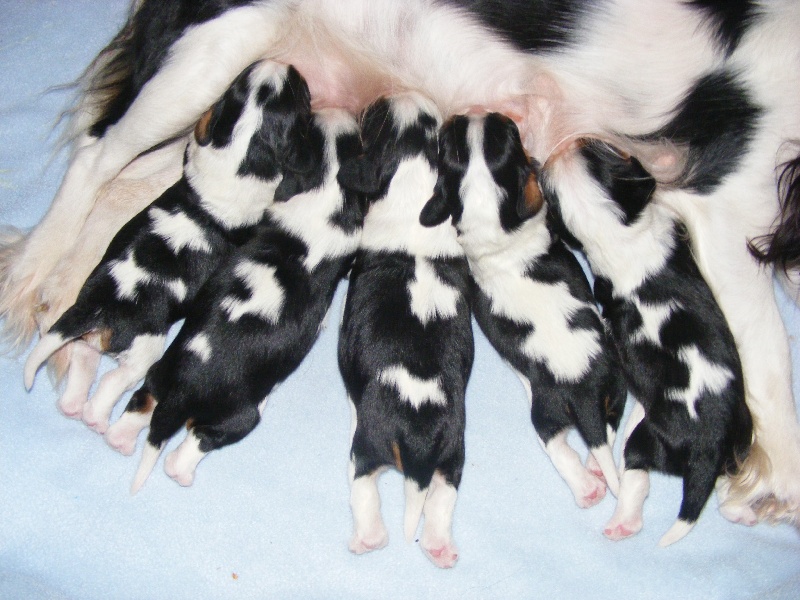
x,y
703,92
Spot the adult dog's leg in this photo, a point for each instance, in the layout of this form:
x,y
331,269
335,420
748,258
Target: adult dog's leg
x,y
200,65
720,225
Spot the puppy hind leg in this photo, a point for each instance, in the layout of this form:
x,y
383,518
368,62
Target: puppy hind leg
x,y
587,489
415,501
133,364
369,532
437,542
81,374
634,487
122,435
182,462
641,452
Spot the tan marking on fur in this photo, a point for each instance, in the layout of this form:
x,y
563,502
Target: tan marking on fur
x,y
201,129
99,339
398,462
533,194
189,424
148,405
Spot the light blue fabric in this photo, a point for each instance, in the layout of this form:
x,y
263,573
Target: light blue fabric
x,y
269,517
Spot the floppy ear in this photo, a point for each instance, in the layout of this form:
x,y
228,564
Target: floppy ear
x,y
530,200
299,157
438,209
359,174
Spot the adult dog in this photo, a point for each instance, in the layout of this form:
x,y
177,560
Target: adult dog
x,y
703,92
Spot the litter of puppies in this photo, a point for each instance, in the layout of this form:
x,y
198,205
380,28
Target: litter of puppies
x,y
434,223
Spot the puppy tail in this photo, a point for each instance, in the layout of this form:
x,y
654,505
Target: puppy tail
x,y
677,532
605,459
150,454
46,346
415,500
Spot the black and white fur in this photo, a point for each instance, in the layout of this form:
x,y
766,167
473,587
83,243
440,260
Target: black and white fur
x,y
679,356
245,150
531,297
704,92
405,347
257,317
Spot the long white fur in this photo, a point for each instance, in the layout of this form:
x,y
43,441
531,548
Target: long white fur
x,y
352,50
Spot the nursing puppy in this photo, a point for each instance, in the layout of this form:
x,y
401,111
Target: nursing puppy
x,y
247,148
679,356
531,297
405,347
257,317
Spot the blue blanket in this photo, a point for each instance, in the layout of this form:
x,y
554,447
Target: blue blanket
x,y
269,517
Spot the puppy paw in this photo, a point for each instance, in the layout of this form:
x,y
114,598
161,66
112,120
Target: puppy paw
x,y
444,555
93,419
120,440
619,530
589,490
594,467
180,473
369,541
71,407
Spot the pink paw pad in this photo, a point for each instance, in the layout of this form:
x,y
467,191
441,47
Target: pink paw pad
x,y
620,532
444,557
363,545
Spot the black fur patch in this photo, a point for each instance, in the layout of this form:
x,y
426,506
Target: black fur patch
x,y
730,19
716,120
532,25
624,178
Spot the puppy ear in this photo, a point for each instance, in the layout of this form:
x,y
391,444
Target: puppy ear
x,y
438,209
359,174
530,199
299,156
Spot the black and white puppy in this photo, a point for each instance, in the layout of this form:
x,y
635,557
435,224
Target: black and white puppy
x,y
678,353
257,317
405,347
531,297
246,149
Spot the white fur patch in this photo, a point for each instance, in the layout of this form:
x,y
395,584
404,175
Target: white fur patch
x,y
392,223
414,390
653,318
431,298
703,376
308,215
178,288
266,295
200,345
128,276
178,231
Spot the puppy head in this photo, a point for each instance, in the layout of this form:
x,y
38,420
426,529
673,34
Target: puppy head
x,y
392,129
502,185
266,111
